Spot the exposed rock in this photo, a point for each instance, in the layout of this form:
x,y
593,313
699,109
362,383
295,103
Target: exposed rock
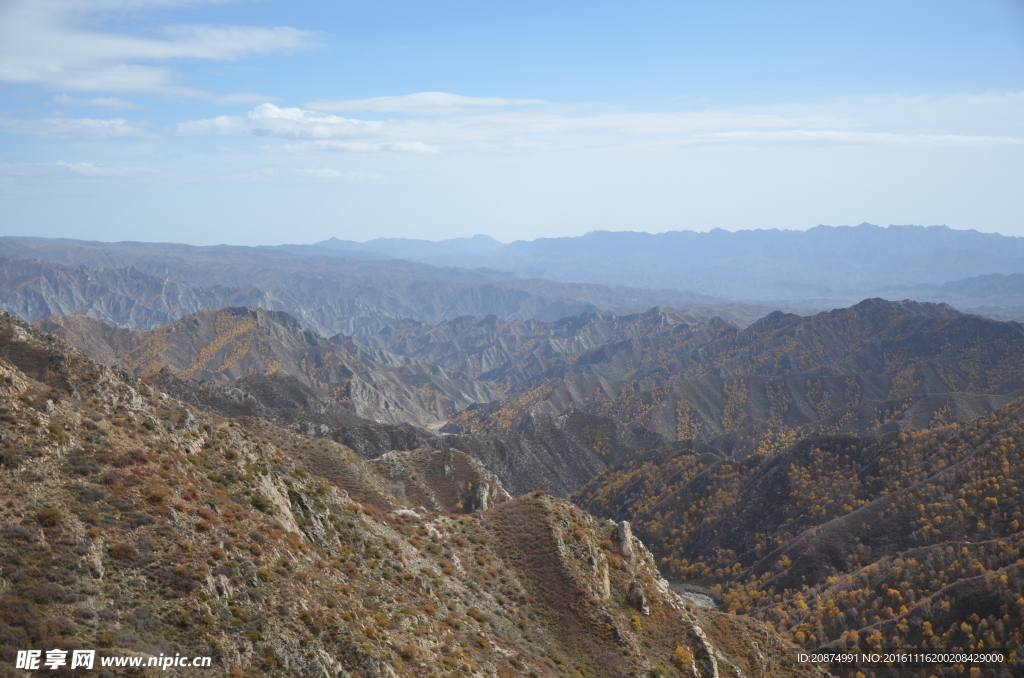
x,y
636,597
624,535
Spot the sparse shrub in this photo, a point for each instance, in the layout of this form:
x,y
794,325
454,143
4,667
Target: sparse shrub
x,y
140,519
55,432
260,503
10,459
683,658
48,592
122,551
50,517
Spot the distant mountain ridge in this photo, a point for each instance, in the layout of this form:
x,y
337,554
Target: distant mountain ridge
x,y
417,250
761,264
822,267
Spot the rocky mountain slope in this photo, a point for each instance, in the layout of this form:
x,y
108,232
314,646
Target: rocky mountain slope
x,y
245,362
135,525
269,353
908,540
875,367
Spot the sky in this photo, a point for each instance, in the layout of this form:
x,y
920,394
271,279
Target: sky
x,y
269,122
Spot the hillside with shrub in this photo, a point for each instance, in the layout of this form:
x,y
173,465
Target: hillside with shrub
x,y
906,540
135,524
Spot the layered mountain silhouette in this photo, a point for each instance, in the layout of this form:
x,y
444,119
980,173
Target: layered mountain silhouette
x,y
822,267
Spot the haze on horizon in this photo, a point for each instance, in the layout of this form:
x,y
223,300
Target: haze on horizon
x,y
265,122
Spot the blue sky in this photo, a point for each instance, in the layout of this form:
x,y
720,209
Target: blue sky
x,y
267,122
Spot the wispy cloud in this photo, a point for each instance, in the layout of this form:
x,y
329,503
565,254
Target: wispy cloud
x,y
351,147
989,119
50,43
427,103
318,173
89,169
62,169
107,102
236,98
268,120
76,129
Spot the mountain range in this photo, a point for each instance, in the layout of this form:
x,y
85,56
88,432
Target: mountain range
x,y
505,391
145,285
334,460
822,267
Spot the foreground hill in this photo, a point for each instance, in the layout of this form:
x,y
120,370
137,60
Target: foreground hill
x,y
137,526
874,367
908,540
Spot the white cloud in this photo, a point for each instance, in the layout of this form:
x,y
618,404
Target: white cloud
x,y
990,120
49,42
432,103
322,173
236,98
89,169
60,169
351,147
76,129
831,138
268,120
333,174
108,102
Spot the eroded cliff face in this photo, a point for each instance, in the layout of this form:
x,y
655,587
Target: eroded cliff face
x,y
267,358
135,524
